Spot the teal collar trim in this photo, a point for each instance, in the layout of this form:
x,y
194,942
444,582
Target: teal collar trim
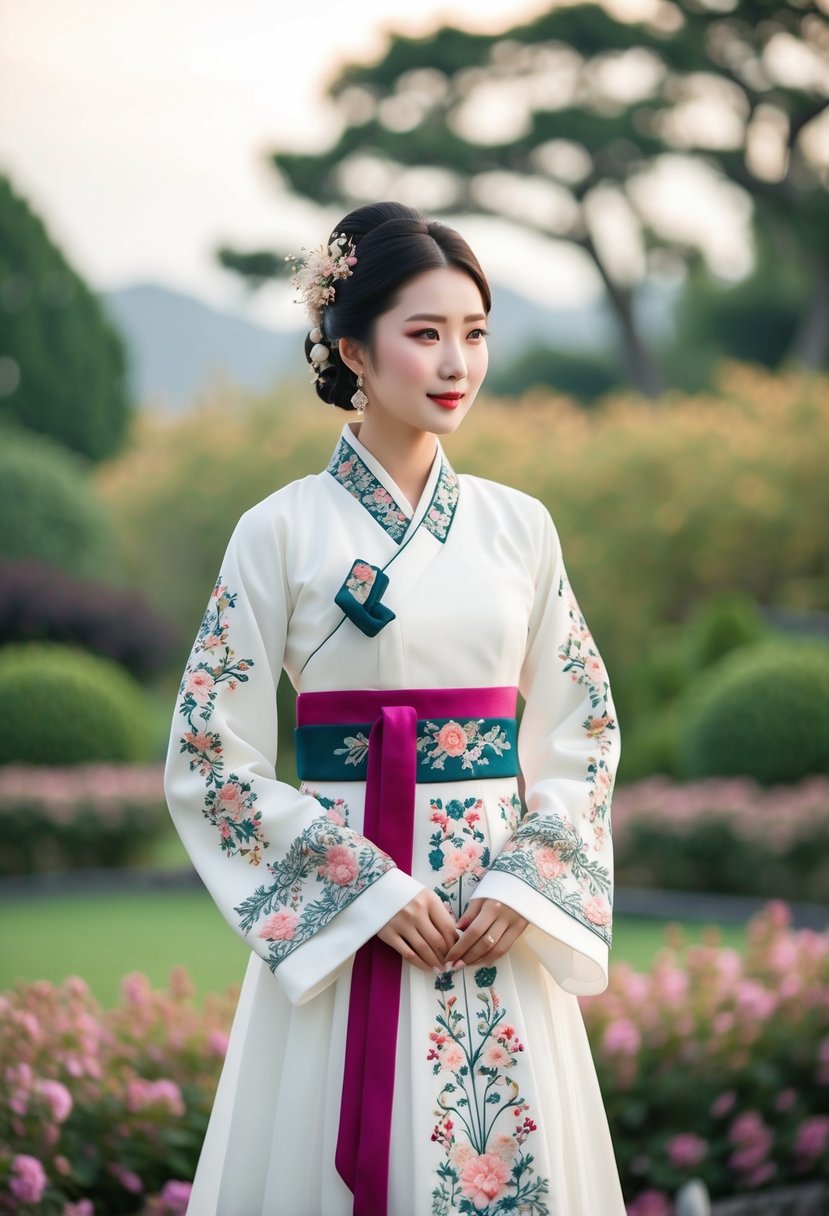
x,y
351,471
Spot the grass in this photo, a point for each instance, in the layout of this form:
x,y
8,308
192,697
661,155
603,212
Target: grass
x,y
103,938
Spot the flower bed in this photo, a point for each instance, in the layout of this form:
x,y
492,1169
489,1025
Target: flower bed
x,y
105,1112
717,1066
731,836
85,816
713,1065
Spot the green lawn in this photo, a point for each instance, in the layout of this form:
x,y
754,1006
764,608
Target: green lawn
x,y
104,937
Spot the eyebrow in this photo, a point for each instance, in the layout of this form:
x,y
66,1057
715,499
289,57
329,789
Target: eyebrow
x,y
425,316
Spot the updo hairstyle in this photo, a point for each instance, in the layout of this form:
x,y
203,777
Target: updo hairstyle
x,y
392,244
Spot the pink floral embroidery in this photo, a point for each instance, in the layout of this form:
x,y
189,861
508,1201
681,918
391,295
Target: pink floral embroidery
x,y
549,863
482,1119
484,1178
452,738
597,910
458,849
280,927
229,802
340,865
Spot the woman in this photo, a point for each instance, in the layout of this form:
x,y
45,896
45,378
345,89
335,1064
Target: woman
x,y
408,1038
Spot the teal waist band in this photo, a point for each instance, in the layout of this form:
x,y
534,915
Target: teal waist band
x,y
448,750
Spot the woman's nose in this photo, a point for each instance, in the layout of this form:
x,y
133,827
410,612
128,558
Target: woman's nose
x,y
454,364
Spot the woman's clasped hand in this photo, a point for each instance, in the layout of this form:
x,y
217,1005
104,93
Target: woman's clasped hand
x,y
427,935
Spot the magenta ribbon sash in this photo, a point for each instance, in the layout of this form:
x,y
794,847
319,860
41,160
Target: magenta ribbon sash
x,y
363,1143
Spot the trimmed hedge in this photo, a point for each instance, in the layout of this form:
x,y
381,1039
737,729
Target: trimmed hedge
x,y
39,602
761,712
60,706
87,816
47,508
727,836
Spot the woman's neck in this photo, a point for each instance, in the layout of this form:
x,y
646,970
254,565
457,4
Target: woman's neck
x,y
405,453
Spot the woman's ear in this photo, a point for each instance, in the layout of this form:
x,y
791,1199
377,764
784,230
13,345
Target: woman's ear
x,y
352,355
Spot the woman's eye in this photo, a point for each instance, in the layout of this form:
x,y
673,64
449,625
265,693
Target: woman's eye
x,y
425,333
479,333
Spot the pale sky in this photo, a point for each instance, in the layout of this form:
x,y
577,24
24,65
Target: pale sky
x,y
138,130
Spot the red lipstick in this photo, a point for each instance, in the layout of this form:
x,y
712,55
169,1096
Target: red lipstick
x,y
447,401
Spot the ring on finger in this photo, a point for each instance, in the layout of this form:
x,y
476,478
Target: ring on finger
x,y
490,939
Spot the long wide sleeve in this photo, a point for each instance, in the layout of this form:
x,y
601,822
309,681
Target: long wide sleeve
x,y
288,874
557,868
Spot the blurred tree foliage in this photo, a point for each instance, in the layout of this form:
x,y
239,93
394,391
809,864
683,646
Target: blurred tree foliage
x,y
62,363
555,120
658,511
586,376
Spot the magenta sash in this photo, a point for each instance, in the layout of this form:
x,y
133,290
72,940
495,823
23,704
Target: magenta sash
x,y
363,1143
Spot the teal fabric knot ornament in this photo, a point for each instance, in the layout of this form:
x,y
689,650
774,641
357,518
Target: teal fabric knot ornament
x,y
360,595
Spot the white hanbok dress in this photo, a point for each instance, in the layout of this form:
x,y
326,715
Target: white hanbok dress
x,y
496,1106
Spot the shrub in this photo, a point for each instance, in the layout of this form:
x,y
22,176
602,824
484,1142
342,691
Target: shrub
x,y
113,1106
39,602
721,625
47,508
731,836
761,712
60,706
88,815
712,1055
707,1056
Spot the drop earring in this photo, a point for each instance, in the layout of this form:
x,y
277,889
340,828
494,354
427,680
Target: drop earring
x,y
359,400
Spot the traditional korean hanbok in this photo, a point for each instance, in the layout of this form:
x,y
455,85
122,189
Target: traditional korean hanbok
x,y
354,1082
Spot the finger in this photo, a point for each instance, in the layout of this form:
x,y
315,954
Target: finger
x,y
484,946
472,909
426,954
432,934
481,925
506,941
403,948
446,926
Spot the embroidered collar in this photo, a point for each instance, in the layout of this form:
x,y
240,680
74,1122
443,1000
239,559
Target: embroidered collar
x,y
352,471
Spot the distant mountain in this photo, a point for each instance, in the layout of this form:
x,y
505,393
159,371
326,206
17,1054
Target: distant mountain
x,y
177,343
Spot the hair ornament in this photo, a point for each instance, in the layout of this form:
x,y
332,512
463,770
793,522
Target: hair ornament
x,y
315,275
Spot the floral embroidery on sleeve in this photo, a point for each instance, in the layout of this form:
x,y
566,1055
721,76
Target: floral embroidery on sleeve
x,y
230,803
585,667
549,852
483,1122
324,870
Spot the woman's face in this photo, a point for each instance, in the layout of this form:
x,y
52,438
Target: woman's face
x,y
428,357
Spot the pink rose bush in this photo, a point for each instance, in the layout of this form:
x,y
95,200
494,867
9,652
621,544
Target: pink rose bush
x,y
83,815
724,834
713,1065
105,1111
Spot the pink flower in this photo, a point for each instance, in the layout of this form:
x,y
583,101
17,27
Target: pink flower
x,y
483,1178
58,1099
82,1208
345,468
452,1057
199,739
621,1037
596,909
341,865
163,1093
497,1056
174,1197
200,685
232,800
363,572
28,1179
459,861
504,1147
451,738
128,1178
812,1139
549,864
595,669
461,1153
687,1150
650,1203
280,927
217,1042
723,1104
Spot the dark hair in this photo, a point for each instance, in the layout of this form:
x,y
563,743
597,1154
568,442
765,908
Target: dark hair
x,y
392,244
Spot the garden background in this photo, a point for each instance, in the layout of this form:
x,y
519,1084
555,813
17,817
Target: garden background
x,y
677,427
